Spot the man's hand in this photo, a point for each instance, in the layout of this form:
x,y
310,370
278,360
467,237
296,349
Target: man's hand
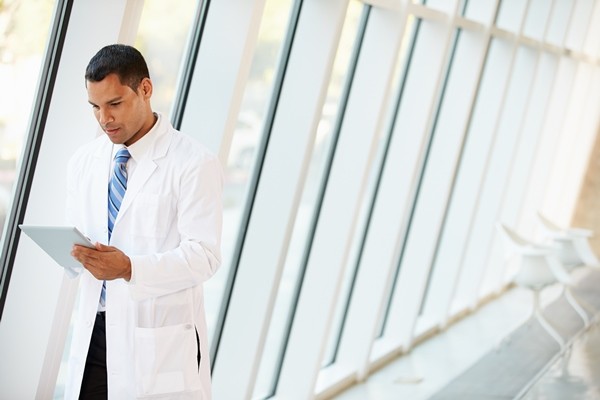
x,y
104,262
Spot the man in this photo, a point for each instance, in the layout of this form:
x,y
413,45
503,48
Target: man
x,y
150,198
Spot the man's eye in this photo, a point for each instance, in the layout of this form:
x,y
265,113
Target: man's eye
x,y
115,104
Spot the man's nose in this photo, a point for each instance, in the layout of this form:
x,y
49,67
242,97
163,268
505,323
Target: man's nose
x,y
104,117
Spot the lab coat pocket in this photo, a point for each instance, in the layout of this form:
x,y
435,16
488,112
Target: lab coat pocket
x,y
166,360
152,215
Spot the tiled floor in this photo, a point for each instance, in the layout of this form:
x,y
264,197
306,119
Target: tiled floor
x,y
435,363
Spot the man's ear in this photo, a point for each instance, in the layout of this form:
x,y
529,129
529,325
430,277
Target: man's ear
x,y
146,87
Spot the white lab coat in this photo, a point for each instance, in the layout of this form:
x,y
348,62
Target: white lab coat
x,y
169,225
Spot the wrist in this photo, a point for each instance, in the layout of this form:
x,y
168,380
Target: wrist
x,y
127,273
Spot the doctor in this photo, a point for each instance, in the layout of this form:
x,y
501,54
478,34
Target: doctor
x,y
150,198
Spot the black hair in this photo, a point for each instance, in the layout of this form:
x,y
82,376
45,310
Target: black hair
x,y
123,60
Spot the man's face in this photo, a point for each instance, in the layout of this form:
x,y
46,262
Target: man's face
x,y
123,114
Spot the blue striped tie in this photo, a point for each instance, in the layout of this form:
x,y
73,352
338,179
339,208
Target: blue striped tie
x,y
116,191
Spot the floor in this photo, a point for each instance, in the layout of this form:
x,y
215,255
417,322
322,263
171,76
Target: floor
x,y
431,367
575,376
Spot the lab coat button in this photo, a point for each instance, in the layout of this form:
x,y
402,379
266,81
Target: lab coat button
x,y
88,323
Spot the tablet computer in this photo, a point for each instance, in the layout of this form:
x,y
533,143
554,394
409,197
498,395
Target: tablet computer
x,y
58,241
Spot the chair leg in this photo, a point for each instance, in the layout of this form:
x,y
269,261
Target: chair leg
x,y
577,307
537,313
585,252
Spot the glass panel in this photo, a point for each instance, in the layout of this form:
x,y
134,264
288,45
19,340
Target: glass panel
x,y
579,24
478,10
283,312
163,52
246,137
365,214
558,23
445,156
495,192
24,29
442,5
411,141
511,14
463,226
537,18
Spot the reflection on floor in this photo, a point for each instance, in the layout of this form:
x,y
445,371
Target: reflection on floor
x,y
497,353
576,375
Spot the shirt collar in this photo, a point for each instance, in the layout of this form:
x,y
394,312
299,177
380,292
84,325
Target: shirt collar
x,y
140,148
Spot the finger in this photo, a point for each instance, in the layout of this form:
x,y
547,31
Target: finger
x,y
94,265
90,260
78,248
102,247
76,252
80,251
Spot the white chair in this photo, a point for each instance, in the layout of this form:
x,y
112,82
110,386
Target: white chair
x,y
539,268
573,243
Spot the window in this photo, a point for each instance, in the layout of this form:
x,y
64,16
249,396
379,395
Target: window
x,y
24,29
292,273
164,52
245,141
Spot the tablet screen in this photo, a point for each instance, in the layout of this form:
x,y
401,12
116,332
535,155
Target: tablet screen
x,y
57,242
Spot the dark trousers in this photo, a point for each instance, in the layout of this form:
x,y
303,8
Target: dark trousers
x,y
94,384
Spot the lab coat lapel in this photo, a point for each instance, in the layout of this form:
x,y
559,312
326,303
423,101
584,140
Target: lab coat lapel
x,y
99,187
142,172
145,169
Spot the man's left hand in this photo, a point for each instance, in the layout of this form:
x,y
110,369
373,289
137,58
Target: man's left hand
x,y
104,262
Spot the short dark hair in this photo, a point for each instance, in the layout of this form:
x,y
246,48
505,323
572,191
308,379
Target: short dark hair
x,y
125,61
